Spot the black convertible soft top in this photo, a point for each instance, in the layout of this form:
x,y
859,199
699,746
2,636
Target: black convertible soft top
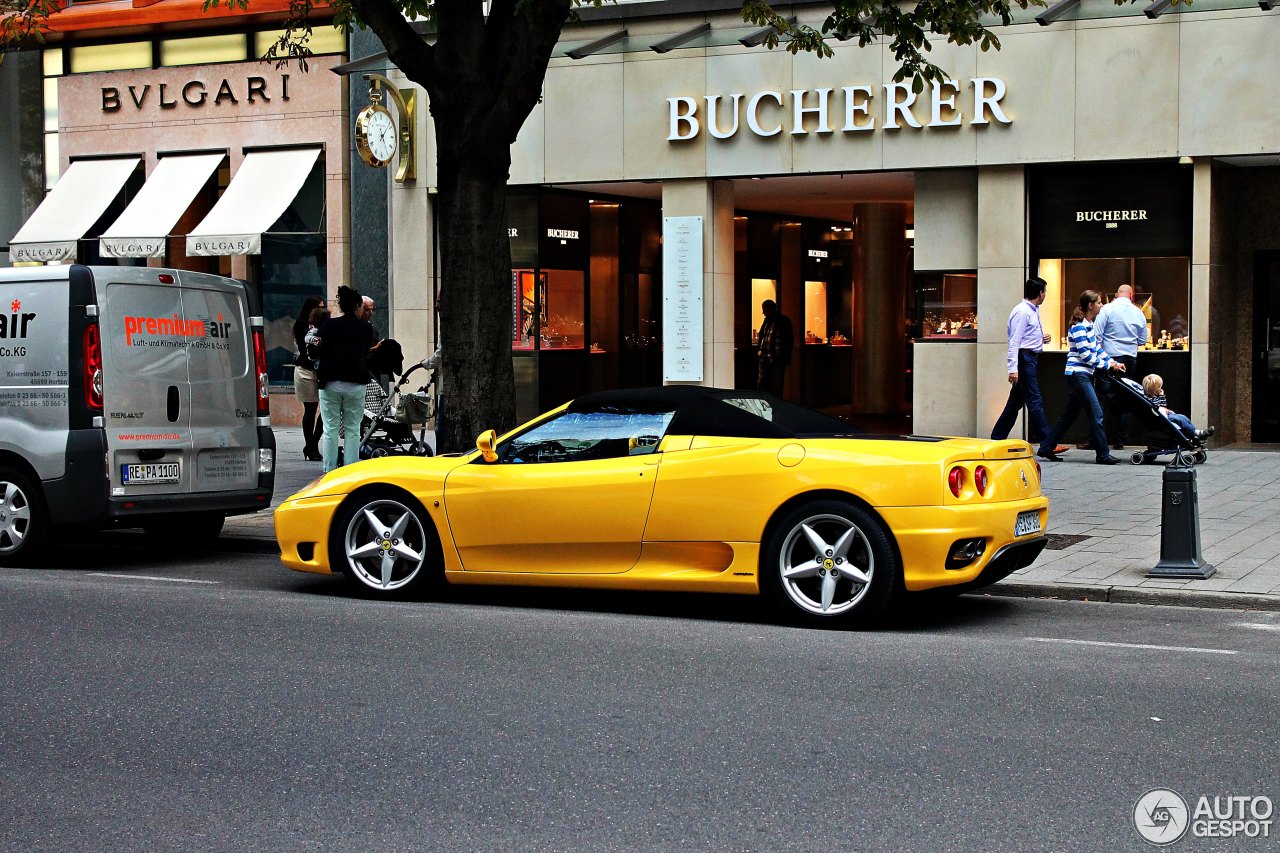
x,y
700,410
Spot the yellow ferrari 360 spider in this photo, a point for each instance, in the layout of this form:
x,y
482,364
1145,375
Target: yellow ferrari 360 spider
x,y
682,488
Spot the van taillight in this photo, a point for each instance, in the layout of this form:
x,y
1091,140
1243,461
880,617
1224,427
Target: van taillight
x,y
260,368
92,367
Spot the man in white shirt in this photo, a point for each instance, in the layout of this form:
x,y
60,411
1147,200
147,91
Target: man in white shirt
x,y
1121,328
1026,340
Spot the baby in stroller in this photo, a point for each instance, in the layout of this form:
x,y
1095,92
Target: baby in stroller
x,y
1168,432
1153,388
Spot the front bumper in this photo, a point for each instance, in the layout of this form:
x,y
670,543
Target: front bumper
x,y
925,536
302,531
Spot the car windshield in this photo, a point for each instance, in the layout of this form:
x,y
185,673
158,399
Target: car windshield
x,y
609,432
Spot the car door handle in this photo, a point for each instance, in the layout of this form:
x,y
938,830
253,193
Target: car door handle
x,y
174,404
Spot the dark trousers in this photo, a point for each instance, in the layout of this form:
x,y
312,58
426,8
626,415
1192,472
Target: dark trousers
x,y
1025,393
770,377
1083,399
1119,423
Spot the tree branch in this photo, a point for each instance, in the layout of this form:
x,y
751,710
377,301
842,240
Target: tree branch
x,y
414,57
535,29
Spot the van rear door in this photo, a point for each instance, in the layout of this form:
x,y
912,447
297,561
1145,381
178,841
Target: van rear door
x,y
146,390
223,407
179,390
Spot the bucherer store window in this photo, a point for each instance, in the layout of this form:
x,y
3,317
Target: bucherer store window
x,y
1097,227
946,306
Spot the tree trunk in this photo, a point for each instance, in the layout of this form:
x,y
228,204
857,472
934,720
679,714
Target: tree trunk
x,y
475,291
483,77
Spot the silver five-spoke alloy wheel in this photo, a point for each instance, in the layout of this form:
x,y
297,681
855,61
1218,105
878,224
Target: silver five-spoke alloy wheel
x,y
15,517
385,545
826,565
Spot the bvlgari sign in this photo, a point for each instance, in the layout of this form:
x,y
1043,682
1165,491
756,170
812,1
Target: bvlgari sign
x,y
193,93
768,113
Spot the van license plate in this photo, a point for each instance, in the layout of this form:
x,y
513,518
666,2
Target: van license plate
x,y
1027,523
150,472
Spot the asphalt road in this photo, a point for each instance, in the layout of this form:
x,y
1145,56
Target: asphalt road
x,y
211,700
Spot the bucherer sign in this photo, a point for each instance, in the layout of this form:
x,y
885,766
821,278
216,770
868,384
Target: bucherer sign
x,y
769,113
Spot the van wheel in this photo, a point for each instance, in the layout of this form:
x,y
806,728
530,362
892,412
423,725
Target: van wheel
x,y
198,528
829,563
384,541
24,523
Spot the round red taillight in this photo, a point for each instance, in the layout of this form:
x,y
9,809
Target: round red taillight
x,y
955,480
981,479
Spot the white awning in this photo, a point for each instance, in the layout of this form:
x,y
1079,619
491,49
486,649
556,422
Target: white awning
x,y
143,229
259,192
79,198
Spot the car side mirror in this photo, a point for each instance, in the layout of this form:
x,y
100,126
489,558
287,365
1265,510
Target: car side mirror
x,y
485,442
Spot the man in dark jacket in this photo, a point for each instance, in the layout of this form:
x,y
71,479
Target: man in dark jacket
x,y
343,344
773,348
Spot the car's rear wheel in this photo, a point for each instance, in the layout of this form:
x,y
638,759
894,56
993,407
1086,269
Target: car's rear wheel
x,y
828,562
24,523
384,542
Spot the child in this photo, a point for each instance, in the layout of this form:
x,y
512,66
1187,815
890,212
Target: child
x,y
1153,387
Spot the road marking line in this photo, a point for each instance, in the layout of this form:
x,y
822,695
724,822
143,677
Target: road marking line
x,y
149,578
1134,646
1258,626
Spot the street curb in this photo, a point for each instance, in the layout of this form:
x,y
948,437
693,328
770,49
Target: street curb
x,y
1131,595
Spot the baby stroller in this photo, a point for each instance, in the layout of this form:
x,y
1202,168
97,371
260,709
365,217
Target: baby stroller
x,y
387,428
1164,436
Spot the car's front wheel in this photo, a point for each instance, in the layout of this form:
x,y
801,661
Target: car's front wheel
x,y
384,542
829,563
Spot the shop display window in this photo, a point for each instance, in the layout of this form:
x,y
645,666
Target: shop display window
x,y
526,321
1162,289
815,312
548,309
761,289
947,306
564,308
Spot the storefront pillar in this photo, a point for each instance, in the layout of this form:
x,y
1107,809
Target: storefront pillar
x,y
878,322
713,201
943,371
1201,273
413,285
1002,238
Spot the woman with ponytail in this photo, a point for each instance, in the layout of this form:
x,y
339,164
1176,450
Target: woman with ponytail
x,y
1084,356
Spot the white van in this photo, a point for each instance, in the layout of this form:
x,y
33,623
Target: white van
x,y
129,396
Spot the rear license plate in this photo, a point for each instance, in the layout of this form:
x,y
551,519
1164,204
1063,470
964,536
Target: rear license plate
x,y
1027,523
150,472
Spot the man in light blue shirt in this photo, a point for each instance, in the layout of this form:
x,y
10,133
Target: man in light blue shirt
x,y
1026,340
1121,328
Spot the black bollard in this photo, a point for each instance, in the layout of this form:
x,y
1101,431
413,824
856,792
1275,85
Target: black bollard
x,y
1180,555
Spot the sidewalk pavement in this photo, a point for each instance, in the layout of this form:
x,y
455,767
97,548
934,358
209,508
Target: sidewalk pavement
x,y
1104,529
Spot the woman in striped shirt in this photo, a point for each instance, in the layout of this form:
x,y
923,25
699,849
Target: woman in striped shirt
x,y
1084,356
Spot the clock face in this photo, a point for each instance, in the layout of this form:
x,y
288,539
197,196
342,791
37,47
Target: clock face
x,y
377,136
